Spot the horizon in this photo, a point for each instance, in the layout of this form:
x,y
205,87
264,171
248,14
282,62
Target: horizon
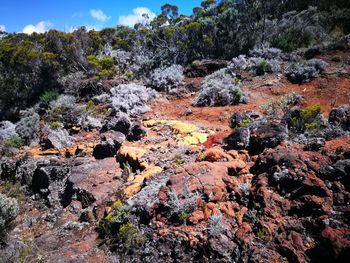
x,y
40,16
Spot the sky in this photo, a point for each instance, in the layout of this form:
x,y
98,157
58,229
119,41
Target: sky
x,y
67,15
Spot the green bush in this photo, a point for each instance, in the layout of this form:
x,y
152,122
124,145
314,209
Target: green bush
x,y
55,125
90,108
291,40
310,113
15,142
48,96
118,228
131,237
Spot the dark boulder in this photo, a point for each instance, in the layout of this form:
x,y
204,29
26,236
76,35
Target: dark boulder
x,y
340,116
109,145
137,132
119,123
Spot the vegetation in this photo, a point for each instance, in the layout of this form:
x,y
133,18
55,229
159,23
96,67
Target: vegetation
x,y
48,96
9,210
15,142
117,227
32,66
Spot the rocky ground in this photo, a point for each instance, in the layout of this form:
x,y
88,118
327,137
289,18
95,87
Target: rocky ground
x,y
182,186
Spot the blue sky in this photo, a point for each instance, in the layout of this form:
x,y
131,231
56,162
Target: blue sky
x,y
40,15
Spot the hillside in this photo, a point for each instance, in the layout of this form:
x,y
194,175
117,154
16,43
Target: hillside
x,y
223,136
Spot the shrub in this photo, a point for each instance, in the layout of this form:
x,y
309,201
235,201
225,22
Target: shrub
x,y
264,235
299,73
55,125
90,108
27,127
309,118
266,52
167,78
319,64
277,107
219,89
291,40
15,142
131,98
9,210
73,82
7,130
118,228
309,114
48,96
65,102
131,237
256,65
215,225
179,160
181,205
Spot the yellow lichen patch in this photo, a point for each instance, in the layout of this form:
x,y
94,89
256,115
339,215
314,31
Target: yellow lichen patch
x,y
138,180
183,128
178,127
195,138
133,155
189,134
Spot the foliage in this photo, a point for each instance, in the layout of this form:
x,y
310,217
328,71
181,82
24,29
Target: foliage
x,y
263,234
310,113
48,96
215,225
55,125
9,210
256,65
131,237
305,72
131,98
118,228
90,108
7,130
103,68
182,205
179,160
15,142
28,125
219,89
167,78
291,40
275,108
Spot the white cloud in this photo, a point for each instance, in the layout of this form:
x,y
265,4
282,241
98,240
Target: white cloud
x,y
99,15
41,27
2,28
137,17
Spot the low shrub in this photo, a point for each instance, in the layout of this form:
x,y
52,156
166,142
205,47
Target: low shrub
x,y
256,65
7,130
55,125
47,97
131,98
167,78
304,72
215,225
9,210
15,142
220,89
291,40
117,228
28,125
